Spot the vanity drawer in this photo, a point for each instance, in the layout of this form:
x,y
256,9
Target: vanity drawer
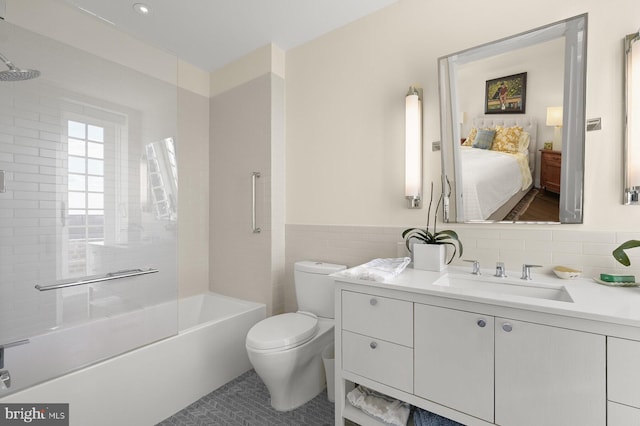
x,y
623,371
379,317
378,360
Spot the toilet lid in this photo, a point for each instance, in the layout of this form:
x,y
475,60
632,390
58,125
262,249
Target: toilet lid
x,y
282,331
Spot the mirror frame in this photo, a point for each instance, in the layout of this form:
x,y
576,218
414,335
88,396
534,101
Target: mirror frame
x,y
631,194
574,30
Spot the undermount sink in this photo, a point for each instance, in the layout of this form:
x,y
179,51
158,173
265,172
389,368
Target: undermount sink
x,y
510,287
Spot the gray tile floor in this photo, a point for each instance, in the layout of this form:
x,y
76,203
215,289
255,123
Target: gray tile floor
x,y
245,401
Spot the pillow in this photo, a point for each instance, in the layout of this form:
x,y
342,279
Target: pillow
x,y
471,137
523,142
484,139
507,139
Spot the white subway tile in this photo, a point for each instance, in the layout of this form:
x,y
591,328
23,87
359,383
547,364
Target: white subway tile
x,y
18,131
34,124
16,167
16,148
29,159
586,236
527,235
598,249
554,246
501,244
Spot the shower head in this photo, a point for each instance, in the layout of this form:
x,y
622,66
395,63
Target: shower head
x,y
14,73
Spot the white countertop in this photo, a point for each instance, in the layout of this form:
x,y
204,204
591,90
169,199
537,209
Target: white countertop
x,y
592,301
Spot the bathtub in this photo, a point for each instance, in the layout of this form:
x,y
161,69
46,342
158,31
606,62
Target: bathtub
x,y
149,384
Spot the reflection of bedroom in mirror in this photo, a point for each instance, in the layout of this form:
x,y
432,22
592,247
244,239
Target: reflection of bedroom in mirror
x,y
503,165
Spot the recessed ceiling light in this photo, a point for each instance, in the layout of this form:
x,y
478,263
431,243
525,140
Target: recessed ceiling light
x,y
141,8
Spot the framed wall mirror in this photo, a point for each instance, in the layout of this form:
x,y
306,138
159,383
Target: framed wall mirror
x,y
498,163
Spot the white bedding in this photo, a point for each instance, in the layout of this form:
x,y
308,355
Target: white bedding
x,y
490,178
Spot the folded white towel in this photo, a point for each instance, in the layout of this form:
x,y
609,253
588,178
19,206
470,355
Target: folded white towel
x,y
378,269
389,410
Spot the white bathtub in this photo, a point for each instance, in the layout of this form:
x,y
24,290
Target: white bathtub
x,y
149,384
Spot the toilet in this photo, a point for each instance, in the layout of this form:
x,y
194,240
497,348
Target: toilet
x,y
286,350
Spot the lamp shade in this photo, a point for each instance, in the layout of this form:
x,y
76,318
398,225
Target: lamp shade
x,y
554,116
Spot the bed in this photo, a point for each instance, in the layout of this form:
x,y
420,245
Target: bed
x,y
494,181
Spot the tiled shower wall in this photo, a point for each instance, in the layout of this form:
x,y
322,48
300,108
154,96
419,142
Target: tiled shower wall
x,y
31,156
589,251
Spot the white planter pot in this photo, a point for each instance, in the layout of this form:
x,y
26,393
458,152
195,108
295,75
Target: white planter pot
x,y
429,257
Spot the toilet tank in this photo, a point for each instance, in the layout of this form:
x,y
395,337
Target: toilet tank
x,y
314,287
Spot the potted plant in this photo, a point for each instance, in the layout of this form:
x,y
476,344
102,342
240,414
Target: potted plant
x,y
434,242
619,253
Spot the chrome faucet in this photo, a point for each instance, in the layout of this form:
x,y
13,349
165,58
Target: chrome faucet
x,y
475,267
526,271
501,272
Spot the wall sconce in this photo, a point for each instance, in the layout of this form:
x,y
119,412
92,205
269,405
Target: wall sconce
x,y
462,118
632,119
413,148
554,118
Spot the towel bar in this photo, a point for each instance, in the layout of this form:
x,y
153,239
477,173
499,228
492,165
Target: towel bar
x,y
97,279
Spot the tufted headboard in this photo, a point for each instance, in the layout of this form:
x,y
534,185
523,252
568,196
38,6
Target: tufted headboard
x,y
528,124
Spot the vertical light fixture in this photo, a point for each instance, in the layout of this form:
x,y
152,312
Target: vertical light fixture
x,y
462,118
413,147
554,118
632,119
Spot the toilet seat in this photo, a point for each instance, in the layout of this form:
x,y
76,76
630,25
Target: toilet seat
x,y
283,331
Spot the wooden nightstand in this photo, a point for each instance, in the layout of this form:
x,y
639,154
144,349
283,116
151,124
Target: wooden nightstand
x,y
550,165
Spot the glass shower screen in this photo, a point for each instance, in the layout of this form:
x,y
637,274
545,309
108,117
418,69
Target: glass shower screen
x,y
88,250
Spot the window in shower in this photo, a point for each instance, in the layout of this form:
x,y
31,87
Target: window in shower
x,y
86,193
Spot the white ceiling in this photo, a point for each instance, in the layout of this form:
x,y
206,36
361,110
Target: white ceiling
x,y
212,33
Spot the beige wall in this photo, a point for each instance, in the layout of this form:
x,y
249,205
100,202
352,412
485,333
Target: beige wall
x,y
345,130
345,100
247,136
193,199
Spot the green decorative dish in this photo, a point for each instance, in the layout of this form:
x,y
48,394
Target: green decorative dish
x,y
617,284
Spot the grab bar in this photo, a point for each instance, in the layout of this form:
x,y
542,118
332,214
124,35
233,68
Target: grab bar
x,y
254,176
97,279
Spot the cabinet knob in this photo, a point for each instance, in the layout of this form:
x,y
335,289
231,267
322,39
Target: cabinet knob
x,y
373,302
507,327
373,345
481,323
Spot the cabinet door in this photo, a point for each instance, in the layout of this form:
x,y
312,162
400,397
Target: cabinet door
x,y
548,376
454,359
623,371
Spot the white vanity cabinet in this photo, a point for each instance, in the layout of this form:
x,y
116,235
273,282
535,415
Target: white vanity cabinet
x,y
532,374
548,375
454,359
623,382
377,339
480,363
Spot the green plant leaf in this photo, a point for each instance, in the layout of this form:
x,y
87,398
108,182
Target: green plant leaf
x,y
619,253
425,236
449,234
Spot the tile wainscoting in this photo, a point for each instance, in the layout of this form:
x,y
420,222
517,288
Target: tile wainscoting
x,y
589,251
